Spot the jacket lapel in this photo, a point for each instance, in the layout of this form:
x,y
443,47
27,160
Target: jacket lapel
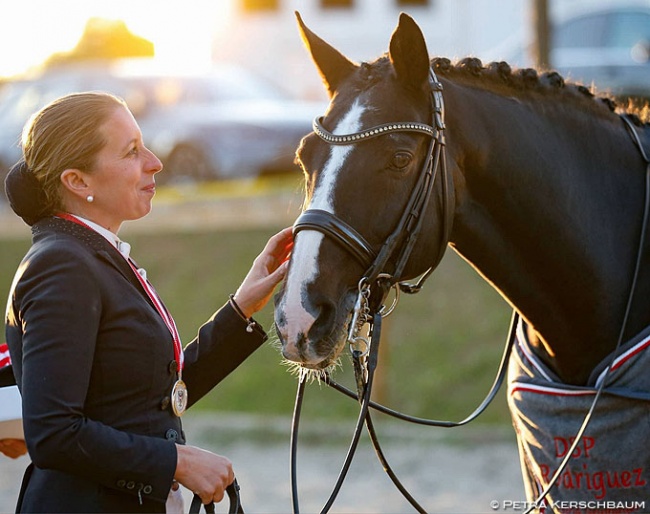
x,y
103,249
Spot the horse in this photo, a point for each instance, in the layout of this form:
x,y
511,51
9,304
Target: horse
x,y
543,195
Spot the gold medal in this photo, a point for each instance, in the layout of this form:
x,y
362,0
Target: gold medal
x,y
179,397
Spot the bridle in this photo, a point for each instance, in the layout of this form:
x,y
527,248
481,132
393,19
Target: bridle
x,y
399,245
377,282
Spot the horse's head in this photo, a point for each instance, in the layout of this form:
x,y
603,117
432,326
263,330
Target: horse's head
x,y
347,187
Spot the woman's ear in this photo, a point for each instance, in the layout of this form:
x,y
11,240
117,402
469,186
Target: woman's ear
x,y
74,181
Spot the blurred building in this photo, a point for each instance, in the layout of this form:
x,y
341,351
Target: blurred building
x,y
262,34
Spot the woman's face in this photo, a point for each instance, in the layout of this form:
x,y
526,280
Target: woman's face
x,y
122,181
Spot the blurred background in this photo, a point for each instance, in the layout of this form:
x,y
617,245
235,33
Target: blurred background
x,y
223,91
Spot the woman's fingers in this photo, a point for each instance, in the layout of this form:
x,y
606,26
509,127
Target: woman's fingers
x,y
205,473
268,269
278,248
13,448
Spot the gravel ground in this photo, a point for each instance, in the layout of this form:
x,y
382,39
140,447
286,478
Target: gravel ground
x,y
447,472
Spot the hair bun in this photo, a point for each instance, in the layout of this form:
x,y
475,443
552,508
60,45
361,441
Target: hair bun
x,y
25,194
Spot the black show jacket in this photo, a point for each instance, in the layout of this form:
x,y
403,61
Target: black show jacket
x,y
94,362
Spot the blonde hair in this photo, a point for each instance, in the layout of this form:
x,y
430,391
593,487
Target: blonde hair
x,y
66,134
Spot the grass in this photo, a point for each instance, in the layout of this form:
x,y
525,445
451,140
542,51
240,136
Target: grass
x,y
440,349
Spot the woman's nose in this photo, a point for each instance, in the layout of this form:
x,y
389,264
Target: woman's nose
x,y
155,165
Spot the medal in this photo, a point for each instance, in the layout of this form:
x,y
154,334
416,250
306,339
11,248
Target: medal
x,y
179,391
179,397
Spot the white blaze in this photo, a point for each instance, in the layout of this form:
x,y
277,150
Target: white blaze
x,y
304,267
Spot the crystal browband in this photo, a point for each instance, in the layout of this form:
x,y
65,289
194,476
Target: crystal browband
x,y
371,132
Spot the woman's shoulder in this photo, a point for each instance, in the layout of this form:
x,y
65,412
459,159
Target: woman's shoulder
x,y
59,244
57,260
59,235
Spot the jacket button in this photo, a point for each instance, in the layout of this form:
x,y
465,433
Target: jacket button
x,y
164,403
173,367
130,485
121,483
171,435
147,489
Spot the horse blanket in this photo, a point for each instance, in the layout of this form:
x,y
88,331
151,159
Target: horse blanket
x,y
609,470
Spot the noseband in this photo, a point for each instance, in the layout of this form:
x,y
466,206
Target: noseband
x,y
399,245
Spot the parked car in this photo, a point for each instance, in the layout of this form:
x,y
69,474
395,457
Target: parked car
x,y
607,46
225,124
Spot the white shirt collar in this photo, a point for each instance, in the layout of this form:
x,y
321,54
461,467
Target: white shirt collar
x,y
122,246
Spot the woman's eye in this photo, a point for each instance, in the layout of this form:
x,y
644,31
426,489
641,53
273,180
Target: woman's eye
x,y
401,160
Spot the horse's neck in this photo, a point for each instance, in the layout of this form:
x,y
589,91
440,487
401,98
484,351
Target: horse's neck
x,y
550,217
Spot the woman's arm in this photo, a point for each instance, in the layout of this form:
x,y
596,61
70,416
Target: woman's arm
x,y
230,337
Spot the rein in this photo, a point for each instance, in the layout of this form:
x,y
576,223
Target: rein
x,y
364,366
233,496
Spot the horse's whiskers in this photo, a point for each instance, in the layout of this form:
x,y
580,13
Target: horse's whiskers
x,y
311,375
274,340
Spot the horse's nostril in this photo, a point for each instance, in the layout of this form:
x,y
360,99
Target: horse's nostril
x,y
291,348
291,353
321,329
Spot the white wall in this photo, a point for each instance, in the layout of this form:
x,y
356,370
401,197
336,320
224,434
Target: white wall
x,y
269,42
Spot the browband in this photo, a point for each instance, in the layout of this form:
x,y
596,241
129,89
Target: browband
x,y
375,131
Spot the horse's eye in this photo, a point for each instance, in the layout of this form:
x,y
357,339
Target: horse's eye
x,y
401,160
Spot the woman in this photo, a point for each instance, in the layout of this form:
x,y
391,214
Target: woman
x,y
95,353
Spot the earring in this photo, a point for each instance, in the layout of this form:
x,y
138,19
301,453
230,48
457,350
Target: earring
x,y
90,198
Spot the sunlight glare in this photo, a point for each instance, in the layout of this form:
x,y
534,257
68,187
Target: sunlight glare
x,y
181,31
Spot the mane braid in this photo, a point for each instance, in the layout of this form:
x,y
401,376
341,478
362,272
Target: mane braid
x,y
501,78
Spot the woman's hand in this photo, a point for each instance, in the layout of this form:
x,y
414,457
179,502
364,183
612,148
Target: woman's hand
x,y
204,473
13,448
268,269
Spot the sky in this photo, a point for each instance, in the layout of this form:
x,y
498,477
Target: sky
x,y
181,30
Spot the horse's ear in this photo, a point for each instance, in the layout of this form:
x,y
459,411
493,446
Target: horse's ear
x,y
408,53
332,65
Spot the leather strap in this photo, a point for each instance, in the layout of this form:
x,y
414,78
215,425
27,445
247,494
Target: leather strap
x,y
340,231
233,495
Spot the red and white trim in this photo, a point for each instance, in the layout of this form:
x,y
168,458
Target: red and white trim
x,y
5,358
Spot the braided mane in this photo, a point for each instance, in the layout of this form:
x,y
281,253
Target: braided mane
x,y
501,78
